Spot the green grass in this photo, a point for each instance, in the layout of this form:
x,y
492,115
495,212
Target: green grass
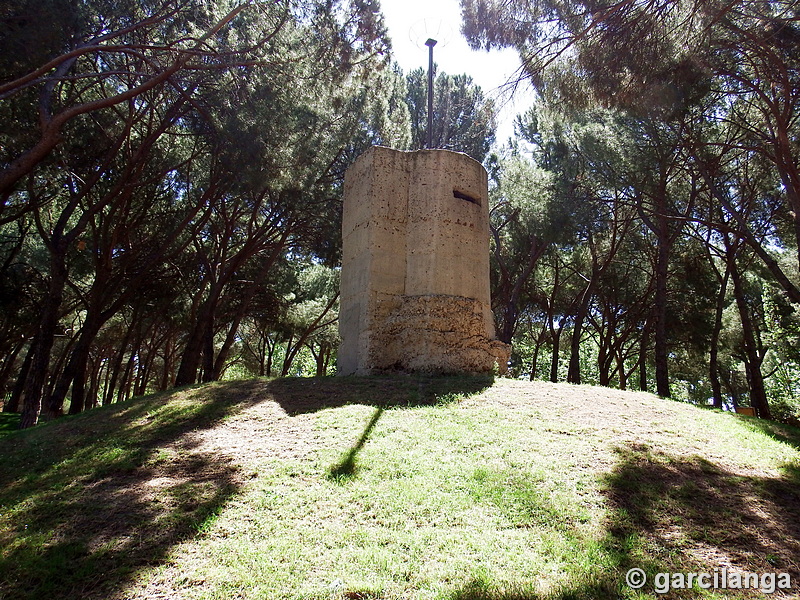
x,y
8,422
393,488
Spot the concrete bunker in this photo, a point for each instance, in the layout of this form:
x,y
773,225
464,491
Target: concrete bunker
x,y
415,265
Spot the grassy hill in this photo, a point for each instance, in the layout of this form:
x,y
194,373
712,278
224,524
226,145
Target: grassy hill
x,y
400,487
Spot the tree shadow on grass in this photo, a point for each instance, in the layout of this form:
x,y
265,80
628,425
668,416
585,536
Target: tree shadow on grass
x,y
687,514
477,589
297,396
87,502
780,432
383,392
676,514
347,468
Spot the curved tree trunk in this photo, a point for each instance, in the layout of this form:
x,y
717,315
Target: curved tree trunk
x,y
755,379
43,342
713,363
74,372
14,403
194,349
574,372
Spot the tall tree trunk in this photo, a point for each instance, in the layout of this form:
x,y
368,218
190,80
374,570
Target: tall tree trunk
x,y
208,371
713,362
143,374
733,390
556,337
535,359
13,404
43,341
262,355
321,358
169,352
660,312
605,347
120,357
288,356
233,330
193,351
199,349
643,343
574,373
74,372
94,384
328,356
537,348
604,359
510,315
623,376
270,355
127,377
755,379
8,365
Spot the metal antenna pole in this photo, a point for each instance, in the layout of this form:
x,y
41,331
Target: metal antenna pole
x,y
430,44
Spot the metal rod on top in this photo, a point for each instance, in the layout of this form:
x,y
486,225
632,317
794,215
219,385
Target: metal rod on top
x,y
430,44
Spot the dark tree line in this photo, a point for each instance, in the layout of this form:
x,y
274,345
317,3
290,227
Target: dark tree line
x,y
170,188
656,224
161,163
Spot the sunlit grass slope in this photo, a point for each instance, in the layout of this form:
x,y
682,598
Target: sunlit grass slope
x,y
397,487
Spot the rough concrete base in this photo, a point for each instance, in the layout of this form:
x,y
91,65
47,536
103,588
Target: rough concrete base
x,y
435,334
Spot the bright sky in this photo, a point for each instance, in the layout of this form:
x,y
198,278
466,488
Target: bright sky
x,y
411,22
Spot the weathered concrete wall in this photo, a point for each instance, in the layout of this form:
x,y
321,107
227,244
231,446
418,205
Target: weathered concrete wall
x,y
415,267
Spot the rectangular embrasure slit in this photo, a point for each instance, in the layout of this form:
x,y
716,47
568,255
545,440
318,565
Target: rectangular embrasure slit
x,y
467,197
